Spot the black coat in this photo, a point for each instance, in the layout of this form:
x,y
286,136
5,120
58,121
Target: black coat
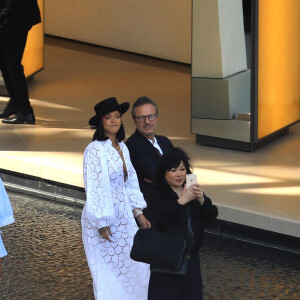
x,y
168,215
145,158
19,13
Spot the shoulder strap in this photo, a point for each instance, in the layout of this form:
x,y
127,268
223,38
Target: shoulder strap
x,y
190,240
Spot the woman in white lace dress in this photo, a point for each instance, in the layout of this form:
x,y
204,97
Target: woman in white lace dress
x,y
6,217
113,202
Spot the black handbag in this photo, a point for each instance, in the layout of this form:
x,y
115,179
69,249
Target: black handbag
x,y
165,252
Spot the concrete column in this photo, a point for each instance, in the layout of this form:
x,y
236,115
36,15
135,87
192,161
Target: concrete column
x,y
220,80
218,41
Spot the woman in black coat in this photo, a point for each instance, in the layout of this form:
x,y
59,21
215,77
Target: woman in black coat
x,y
167,206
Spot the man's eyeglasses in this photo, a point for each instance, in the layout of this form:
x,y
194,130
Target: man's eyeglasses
x,y
142,119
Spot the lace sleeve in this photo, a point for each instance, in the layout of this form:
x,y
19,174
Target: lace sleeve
x,y
99,203
132,185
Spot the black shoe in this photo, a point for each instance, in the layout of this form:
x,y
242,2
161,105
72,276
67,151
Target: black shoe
x,y
20,118
7,112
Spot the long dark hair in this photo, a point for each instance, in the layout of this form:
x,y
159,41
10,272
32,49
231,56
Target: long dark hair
x,y
100,136
168,161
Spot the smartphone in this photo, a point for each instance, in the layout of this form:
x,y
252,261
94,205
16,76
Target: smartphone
x,y
190,179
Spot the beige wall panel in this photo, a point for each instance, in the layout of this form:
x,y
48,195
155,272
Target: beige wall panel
x,y
152,27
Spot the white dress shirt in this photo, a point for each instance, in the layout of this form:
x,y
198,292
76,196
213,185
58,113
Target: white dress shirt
x,y
155,145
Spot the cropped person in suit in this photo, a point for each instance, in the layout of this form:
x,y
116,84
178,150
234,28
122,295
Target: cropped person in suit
x,y
16,19
144,145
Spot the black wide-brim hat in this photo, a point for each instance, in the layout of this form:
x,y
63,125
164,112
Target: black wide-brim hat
x,y
105,107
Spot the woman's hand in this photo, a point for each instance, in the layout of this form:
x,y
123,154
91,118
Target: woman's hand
x,y
192,192
105,233
145,224
199,194
187,195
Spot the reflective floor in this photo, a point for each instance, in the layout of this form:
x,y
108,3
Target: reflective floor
x,y
259,189
46,260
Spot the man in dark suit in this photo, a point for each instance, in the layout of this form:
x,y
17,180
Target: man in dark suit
x,y
16,19
144,145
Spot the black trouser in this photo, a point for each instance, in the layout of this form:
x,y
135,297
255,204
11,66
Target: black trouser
x,y
12,45
174,287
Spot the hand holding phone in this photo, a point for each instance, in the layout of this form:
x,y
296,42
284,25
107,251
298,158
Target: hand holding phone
x,y
190,179
188,194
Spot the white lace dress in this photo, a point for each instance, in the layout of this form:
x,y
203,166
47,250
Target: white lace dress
x,y
109,202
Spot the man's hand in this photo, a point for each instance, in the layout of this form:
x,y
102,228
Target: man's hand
x,y
145,224
148,180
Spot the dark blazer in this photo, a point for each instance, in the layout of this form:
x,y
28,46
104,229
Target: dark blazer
x,y
145,158
169,216
19,13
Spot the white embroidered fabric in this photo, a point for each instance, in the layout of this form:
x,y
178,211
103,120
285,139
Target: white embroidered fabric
x,y
109,202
